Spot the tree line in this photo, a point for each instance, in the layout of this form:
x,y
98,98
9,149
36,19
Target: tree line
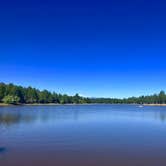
x,y
13,94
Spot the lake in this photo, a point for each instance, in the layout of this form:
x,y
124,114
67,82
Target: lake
x,y
83,135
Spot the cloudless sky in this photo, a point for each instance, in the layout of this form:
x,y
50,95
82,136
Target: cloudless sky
x,y
113,48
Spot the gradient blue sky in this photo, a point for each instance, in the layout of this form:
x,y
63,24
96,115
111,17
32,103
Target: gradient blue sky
x,y
96,48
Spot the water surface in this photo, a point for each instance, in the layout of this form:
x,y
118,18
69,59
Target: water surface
x,y
83,135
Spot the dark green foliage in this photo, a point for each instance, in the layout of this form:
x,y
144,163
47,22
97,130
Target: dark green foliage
x,y
2,91
13,94
45,97
162,97
152,99
31,95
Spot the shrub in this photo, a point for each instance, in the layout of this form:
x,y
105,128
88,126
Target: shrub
x,y
9,99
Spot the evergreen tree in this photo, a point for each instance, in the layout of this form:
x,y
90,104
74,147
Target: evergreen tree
x,y
2,91
10,93
162,97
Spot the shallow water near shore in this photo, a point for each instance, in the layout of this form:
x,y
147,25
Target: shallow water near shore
x,y
83,135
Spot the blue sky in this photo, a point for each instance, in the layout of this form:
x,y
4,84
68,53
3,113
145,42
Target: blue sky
x,y
96,48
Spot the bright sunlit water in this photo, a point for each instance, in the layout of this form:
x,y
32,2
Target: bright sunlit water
x,y
83,135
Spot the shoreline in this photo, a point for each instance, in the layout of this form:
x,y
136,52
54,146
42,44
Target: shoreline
x,y
3,104
163,105
56,104
46,104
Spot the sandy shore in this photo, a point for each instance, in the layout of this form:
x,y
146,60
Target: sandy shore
x,y
3,104
35,104
39,104
54,104
154,104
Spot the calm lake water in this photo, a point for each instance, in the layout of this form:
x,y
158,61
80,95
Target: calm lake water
x,y
83,135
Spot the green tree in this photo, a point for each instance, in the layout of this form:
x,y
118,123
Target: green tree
x,y
162,97
55,98
11,99
31,95
2,91
45,97
76,99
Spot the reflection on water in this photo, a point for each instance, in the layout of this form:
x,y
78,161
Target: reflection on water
x,y
83,135
8,119
31,114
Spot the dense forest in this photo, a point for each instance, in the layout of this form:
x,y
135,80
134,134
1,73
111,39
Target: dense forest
x,y
13,94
